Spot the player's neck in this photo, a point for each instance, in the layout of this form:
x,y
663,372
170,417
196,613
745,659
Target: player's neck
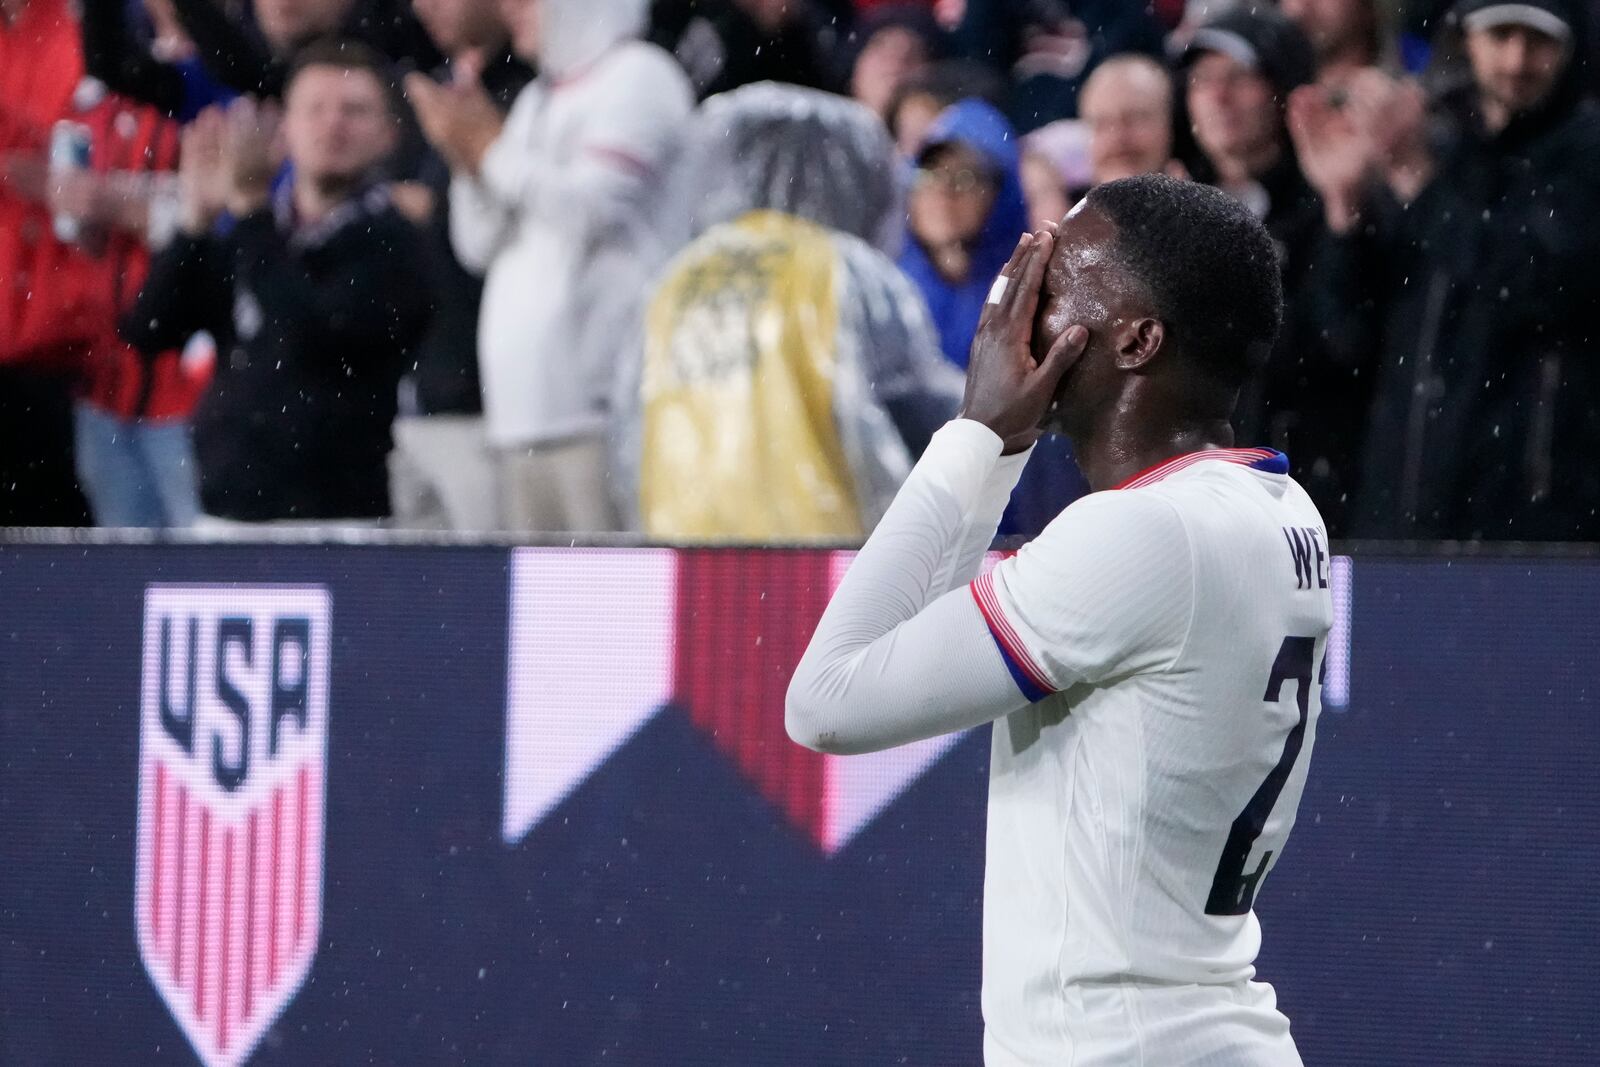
x,y
1124,448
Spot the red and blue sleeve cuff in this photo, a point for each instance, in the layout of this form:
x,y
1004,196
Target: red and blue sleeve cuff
x,y
1033,682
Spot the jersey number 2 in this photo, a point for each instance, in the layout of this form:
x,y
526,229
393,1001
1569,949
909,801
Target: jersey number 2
x,y
1233,890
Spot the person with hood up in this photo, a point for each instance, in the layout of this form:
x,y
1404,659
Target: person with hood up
x,y
789,373
966,210
1468,246
551,201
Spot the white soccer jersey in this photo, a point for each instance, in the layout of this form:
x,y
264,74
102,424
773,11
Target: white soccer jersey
x,y
1153,660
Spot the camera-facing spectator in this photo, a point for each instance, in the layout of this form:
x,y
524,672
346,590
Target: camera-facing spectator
x,y
315,295
889,45
965,212
1127,105
1238,71
551,201
788,373
1477,297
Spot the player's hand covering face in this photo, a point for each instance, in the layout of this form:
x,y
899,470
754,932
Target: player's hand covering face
x,y
1007,390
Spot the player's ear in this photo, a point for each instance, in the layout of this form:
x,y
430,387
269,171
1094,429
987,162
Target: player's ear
x,y
1138,343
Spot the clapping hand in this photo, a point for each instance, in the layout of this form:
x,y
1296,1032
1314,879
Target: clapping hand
x,y
458,119
251,153
202,179
1337,153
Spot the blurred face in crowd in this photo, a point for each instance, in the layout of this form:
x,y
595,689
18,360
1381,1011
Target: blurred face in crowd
x,y
456,25
286,24
912,121
1515,67
1043,187
521,19
952,198
890,56
1127,105
1335,27
337,124
1231,108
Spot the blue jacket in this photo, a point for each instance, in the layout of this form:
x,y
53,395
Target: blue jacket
x,y
955,306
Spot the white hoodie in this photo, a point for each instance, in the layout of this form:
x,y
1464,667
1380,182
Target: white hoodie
x,y
556,214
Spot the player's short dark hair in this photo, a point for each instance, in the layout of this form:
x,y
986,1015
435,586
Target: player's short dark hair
x,y
345,54
1210,265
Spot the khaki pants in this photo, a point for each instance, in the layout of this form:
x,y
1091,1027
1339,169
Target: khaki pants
x,y
442,475
557,487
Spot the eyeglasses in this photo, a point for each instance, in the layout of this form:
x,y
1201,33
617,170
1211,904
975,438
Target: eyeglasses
x,y
962,182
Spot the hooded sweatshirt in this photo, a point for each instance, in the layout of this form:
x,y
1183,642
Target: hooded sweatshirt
x,y
556,216
955,306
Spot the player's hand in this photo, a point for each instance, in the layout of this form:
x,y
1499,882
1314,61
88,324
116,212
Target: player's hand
x,y
1007,389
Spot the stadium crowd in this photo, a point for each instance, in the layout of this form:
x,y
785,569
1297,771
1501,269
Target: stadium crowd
x,y
709,270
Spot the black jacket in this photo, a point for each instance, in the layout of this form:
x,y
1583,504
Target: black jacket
x,y
1307,401
1485,416
314,327
445,374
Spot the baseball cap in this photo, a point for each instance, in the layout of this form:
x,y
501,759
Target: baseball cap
x,y
1549,17
1262,39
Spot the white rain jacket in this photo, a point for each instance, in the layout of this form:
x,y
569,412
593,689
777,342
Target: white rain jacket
x,y
556,215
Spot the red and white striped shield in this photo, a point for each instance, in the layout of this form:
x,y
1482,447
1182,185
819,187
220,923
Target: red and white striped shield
x,y
232,758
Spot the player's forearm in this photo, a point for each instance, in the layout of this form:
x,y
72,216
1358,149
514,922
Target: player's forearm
x,y
983,520
864,683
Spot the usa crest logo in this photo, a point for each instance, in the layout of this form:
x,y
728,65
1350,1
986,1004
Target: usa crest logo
x,y
232,762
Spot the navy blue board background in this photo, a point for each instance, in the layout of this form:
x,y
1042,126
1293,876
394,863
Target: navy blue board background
x,y
1435,904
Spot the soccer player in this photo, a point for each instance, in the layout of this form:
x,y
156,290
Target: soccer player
x,y
1151,662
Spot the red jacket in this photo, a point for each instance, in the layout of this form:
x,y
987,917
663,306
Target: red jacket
x,y
51,305
130,138
59,302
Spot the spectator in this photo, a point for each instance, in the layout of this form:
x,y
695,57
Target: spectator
x,y
890,44
1127,105
789,371
134,457
1479,293
1240,69
921,98
724,44
966,211
442,471
1346,35
314,295
551,201
51,299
